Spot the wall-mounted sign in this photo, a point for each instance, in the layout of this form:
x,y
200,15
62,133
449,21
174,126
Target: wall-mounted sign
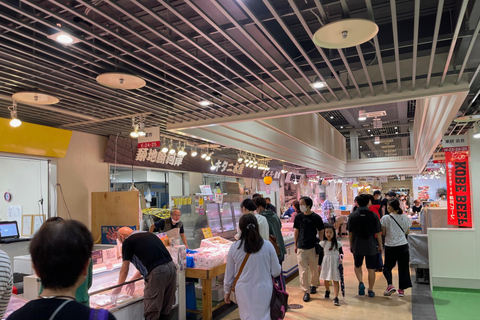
x,y
439,157
311,173
292,178
383,179
128,153
151,139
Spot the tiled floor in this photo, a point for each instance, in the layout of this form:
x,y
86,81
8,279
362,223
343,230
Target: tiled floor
x,y
352,306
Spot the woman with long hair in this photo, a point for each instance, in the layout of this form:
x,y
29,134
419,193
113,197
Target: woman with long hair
x,y
253,290
296,205
395,227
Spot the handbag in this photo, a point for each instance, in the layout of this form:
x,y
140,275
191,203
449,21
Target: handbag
x,y
273,240
232,288
279,302
406,235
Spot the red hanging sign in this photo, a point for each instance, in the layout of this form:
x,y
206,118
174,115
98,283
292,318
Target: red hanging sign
x,y
458,186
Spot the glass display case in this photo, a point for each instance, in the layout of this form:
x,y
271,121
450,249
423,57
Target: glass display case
x,y
228,221
214,218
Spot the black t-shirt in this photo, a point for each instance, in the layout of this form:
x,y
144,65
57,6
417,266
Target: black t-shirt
x,y
271,207
308,226
164,225
384,204
417,209
148,248
42,309
364,224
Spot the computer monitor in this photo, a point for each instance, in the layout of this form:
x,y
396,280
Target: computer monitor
x,y
9,230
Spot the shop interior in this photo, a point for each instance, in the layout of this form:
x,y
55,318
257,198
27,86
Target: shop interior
x,y
115,113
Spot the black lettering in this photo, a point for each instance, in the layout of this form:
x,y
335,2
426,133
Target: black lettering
x,y
461,206
462,221
461,198
462,214
460,180
460,165
460,188
460,172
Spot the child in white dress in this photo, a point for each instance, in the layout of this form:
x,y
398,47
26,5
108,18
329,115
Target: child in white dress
x,y
333,255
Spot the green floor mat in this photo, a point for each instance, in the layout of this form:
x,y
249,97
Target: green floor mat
x,y
457,304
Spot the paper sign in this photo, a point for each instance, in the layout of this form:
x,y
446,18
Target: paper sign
x,y
109,233
439,157
383,179
14,213
207,233
200,202
206,189
218,198
38,221
311,173
26,225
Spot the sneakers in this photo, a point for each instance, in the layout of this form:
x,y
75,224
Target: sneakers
x,y
371,294
401,293
389,291
306,297
336,302
327,294
313,290
361,289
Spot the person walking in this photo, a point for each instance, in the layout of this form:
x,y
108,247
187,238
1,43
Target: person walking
x,y
274,225
253,289
248,206
395,227
331,260
306,227
363,226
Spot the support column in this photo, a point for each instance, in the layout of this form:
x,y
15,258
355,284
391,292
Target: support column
x,y
354,150
412,141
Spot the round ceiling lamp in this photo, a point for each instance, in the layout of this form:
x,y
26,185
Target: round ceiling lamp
x,y
118,80
345,33
34,98
470,118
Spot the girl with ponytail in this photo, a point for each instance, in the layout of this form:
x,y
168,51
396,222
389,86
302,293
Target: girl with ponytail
x,y
253,289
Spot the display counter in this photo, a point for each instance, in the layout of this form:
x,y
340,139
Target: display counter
x,y
432,217
290,264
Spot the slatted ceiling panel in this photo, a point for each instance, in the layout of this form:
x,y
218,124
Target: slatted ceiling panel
x,y
338,118
411,108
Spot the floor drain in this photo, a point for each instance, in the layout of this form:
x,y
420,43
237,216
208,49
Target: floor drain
x,y
295,306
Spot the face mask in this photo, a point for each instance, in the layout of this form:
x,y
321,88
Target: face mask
x,y
175,221
303,208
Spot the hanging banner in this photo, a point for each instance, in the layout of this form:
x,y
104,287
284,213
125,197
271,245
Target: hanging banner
x,y
151,138
311,173
458,181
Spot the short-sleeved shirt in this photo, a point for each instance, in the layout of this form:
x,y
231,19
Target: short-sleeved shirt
x,y
308,227
364,224
147,248
42,309
394,236
165,225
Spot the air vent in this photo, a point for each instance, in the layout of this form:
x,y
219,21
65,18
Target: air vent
x,y
375,114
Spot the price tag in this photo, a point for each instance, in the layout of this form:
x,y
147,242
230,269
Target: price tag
x,y
355,185
207,233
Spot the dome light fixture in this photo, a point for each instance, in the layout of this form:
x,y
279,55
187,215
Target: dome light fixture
x,y
204,103
120,80
63,38
345,33
15,122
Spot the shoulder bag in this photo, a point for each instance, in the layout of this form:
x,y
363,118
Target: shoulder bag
x,y
273,240
406,235
232,288
279,302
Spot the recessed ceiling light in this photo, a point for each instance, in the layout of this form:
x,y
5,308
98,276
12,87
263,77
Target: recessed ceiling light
x,y
331,117
341,127
318,85
371,135
369,130
395,128
204,103
361,147
64,38
396,132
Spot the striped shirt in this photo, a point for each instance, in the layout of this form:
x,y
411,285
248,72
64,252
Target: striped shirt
x,y
6,282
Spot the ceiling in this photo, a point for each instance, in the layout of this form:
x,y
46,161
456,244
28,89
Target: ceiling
x,y
250,58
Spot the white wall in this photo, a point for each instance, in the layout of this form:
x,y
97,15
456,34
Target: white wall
x,y
454,254
27,181
80,173
175,188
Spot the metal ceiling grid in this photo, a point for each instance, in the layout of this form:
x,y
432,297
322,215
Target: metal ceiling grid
x,y
244,56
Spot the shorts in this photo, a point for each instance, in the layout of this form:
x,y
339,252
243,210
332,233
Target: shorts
x,y
370,261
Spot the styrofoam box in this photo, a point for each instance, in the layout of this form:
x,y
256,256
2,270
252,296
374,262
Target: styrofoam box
x,y
23,264
215,242
218,294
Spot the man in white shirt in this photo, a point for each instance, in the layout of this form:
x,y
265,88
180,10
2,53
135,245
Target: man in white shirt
x,y
247,206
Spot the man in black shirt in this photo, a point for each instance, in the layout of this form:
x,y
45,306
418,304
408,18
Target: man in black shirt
x,y
363,225
388,196
306,226
152,260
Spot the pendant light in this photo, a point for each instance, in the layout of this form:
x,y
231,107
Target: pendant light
x,y
15,122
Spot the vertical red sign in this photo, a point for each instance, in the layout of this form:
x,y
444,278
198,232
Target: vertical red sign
x,y
458,186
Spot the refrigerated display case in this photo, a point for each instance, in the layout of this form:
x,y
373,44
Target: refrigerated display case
x,y
201,211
